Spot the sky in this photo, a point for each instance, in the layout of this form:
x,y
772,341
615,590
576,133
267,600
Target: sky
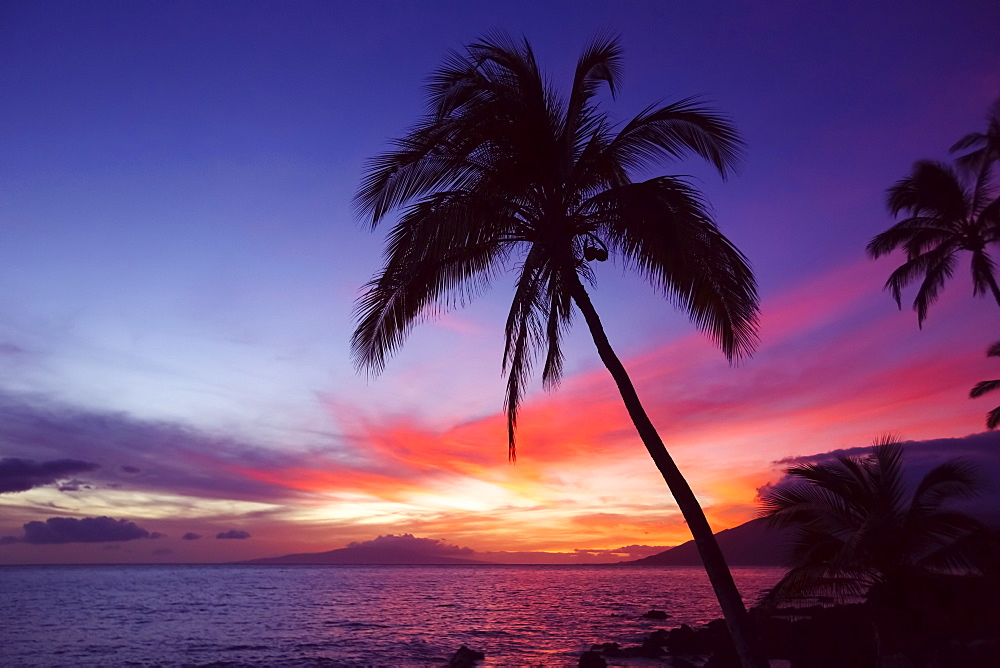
x,y
180,259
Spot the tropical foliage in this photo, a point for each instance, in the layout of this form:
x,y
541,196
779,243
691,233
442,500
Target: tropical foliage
x,y
857,526
948,213
982,387
504,173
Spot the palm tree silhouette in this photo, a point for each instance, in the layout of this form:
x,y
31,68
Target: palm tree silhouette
x,y
982,387
859,533
504,172
947,216
857,527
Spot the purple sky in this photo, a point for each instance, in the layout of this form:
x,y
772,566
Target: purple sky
x,y
180,260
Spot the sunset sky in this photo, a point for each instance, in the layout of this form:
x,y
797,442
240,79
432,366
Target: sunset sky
x,y
180,257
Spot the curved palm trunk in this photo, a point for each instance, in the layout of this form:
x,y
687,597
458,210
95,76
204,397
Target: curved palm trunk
x,y
729,597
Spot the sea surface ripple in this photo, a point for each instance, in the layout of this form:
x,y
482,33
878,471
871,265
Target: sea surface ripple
x,y
351,616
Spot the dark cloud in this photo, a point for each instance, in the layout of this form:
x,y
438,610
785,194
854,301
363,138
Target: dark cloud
x,y
409,542
981,450
20,475
190,535
11,349
156,534
72,530
131,469
238,534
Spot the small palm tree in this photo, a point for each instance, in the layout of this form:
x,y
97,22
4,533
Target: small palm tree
x,y
949,213
946,216
981,388
503,173
859,533
857,527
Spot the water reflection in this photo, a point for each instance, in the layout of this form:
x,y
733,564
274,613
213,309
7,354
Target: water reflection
x,y
351,616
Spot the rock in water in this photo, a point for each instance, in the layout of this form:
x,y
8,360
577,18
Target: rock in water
x,y
592,660
465,658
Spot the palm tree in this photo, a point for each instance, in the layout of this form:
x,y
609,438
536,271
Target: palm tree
x,y
503,172
982,387
858,527
946,217
860,533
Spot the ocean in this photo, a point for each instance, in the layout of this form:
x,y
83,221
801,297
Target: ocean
x,y
351,616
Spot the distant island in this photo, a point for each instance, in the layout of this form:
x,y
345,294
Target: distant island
x,y
360,556
750,544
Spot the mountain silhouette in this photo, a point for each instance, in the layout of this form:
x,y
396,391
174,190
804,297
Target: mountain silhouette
x,y
750,544
366,556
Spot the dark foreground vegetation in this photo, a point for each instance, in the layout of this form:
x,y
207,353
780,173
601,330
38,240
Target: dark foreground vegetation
x,y
938,621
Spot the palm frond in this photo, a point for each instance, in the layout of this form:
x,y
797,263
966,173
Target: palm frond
x,y
982,387
806,504
418,166
560,315
600,62
962,554
983,272
931,189
983,191
675,131
939,268
434,257
663,231
811,580
886,472
985,145
938,541
914,234
953,479
936,265
526,330
993,418
972,140
986,386
989,221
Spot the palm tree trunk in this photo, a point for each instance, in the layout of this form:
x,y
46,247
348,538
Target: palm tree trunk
x,y
729,597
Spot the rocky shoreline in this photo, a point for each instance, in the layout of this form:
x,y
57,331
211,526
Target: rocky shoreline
x,y
945,622
814,637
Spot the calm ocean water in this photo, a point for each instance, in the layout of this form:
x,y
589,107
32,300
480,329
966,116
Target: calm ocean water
x,y
339,615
